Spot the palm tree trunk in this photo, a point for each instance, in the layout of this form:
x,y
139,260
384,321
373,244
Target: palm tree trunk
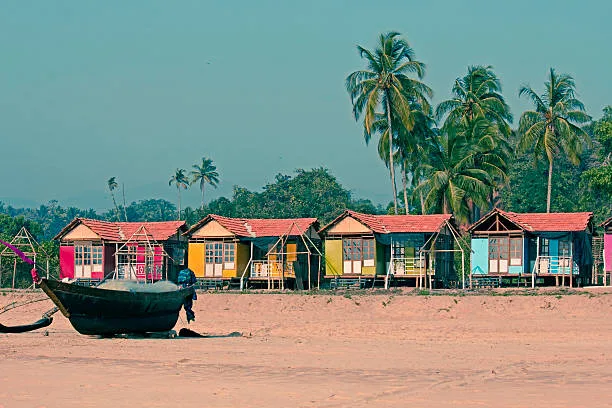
x,y
405,189
116,208
178,188
124,209
391,165
422,202
202,188
550,169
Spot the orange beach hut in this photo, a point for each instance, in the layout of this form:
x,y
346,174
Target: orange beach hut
x,y
258,252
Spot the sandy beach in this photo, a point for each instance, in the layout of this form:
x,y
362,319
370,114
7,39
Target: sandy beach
x,y
327,350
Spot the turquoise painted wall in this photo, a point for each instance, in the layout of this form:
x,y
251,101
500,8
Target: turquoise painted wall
x,y
480,256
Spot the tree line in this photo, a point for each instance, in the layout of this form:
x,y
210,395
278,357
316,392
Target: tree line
x,y
458,157
462,156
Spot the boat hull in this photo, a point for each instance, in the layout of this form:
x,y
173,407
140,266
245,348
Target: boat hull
x,y
96,311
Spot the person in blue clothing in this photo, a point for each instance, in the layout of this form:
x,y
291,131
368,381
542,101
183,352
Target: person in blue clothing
x,y
187,278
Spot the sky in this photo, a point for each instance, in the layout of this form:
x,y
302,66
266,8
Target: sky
x,y
92,90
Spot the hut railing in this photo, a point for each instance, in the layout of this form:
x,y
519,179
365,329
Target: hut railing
x,y
410,266
555,265
271,269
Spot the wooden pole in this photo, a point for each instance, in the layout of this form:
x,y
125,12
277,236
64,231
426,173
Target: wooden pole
x,y
319,274
463,269
14,271
537,265
309,271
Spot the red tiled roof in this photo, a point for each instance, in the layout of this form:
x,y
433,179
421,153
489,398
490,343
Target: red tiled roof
x,y
277,227
123,231
259,227
544,222
159,231
236,226
388,224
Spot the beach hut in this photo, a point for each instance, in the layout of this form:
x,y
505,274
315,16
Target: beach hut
x,y
408,249
94,249
607,250
537,247
263,252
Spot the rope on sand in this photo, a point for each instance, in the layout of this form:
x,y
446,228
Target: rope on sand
x,y
15,305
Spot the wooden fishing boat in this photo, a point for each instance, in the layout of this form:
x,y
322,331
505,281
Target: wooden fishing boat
x,y
106,312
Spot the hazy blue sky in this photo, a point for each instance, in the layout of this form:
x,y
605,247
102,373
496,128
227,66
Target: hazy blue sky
x,y
90,90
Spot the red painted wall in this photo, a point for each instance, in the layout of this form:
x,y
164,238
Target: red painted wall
x,y
66,261
109,259
608,251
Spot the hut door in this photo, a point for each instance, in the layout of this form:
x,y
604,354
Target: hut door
x,y
352,255
82,260
499,252
214,259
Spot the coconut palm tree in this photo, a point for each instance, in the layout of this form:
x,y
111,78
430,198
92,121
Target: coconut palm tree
x,y
462,166
205,173
386,85
552,127
477,94
181,181
112,185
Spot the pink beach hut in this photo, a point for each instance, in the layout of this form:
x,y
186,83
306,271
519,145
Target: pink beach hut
x,y
94,249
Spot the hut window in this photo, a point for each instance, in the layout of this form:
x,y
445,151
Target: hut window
x,y
564,248
96,255
368,249
358,249
516,251
544,247
228,252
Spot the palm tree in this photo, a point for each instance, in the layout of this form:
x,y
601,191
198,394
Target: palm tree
x,y
462,166
205,173
112,185
386,84
477,94
553,126
411,147
180,180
